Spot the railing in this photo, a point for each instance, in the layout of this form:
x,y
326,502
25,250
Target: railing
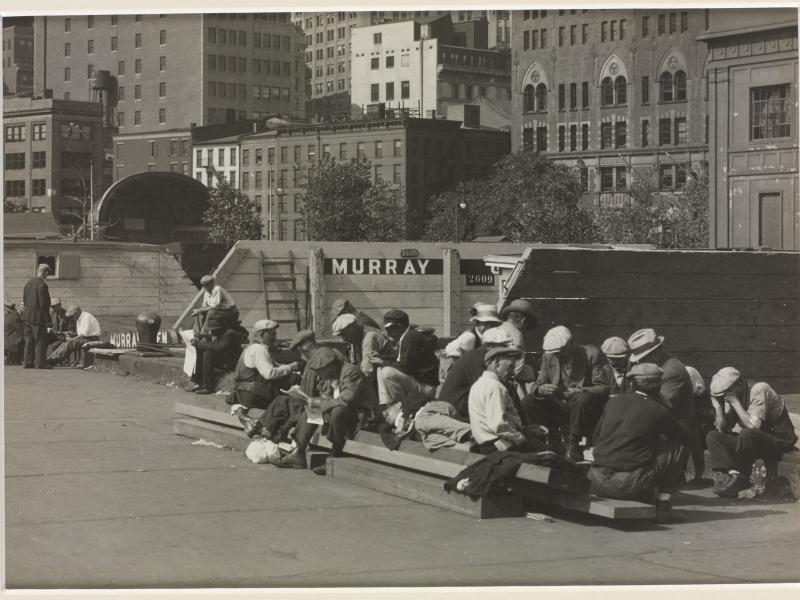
x,y
612,199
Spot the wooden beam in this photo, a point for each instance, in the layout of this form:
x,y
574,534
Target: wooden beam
x,y
451,293
316,282
208,414
211,432
589,504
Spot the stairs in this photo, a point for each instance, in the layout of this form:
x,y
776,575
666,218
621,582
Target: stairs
x,y
273,285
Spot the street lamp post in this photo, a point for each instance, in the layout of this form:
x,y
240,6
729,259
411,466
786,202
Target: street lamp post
x,y
459,207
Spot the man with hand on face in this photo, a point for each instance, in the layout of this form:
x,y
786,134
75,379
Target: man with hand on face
x,y
752,422
518,317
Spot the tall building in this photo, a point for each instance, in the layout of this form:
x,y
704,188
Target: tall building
x,y
618,94
754,186
170,71
429,65
328,52
17,60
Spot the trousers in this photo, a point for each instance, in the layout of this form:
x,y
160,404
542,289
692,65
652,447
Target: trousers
x,y
341,422
578,415
437,426
70,347
664,473
204,375
739,451
35,344
396,386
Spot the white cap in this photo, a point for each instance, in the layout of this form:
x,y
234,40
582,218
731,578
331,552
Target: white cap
x,y
496,336
697,380
556,339
342,322
264,324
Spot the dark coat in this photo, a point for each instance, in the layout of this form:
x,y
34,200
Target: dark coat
x,y
464,372
417,358
228,346
677,392
586,369
36,298
13,330
354,390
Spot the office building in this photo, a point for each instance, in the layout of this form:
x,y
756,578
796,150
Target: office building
x,y
17,60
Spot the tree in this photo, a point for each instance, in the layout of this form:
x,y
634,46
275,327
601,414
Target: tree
x,y
231,215
527,198
667,219
342,204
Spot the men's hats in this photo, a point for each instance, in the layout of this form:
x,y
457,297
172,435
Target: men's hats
x,y
322,357
302,336
265,324
698,385
342,322
496,336
522,306
498,351
486,313
722,381
9,303
206,279
556,339
55,302
645,373
474,309
395,318
44,268
643,342
72,310
615,347
340,305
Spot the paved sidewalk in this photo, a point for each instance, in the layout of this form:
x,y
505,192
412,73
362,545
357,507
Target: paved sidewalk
x,y
100,493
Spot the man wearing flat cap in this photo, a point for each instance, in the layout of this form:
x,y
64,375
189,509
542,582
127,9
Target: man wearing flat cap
x,y
676,391
631,460
752,422
518,317
571,390
618,354
485,318
87,329
36,319
222,352
408,381
343,307
342,391
217,310
364,342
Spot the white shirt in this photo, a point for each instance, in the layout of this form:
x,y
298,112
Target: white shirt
x,y
492,415
87,325
257,356
463,343
218,298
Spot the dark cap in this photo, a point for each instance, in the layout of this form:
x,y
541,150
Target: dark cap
x,y
395,317
302,336
322,357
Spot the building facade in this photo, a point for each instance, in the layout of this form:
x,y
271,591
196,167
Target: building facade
x,y
415,65
618,94
167,72
213,159
753,183
54,154
169,150
17,60
419,158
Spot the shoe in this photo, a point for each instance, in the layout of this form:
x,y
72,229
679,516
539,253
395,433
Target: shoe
x,y
193,388
573,452
732,488
203,391
665,514
252,427
320,470
292,461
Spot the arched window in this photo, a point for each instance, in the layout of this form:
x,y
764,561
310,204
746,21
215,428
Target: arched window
x,y
680,85
529,99
541,97
666,87
607,92
621,88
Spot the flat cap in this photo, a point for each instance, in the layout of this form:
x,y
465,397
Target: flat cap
x,y
645,372
206,279
643,342
556,339
394,317
698,385
500,351
301,337
9,303
322,357
723,379
72,309
522,306
342,322
496,336
339,306
265,324
615,347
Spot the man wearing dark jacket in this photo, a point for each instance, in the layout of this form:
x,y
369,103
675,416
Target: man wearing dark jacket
x,y
14,335
408,382
220,352
631,461
36,319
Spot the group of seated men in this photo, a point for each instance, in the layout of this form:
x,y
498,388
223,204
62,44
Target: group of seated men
x,y
639,408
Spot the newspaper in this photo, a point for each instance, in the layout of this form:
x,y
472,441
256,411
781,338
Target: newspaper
x,y
313,412
189,362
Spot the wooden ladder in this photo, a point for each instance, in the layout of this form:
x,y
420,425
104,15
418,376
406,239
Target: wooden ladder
x,y
267,278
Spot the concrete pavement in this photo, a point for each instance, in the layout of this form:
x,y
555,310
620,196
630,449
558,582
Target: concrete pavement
x,y
100,493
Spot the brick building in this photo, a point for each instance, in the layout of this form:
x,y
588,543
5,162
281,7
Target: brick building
x,y
753,183
17,60
618,94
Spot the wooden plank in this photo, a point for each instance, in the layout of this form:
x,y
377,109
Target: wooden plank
x,y
420,488
319,314
211,432
208,414
593,505
451,293
382,283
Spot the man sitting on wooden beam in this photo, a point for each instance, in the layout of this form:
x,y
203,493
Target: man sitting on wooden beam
x,y
222,352
343,307
571,389
87,329
752,422
408,382
342,390
631,460
217,310
485,318
364,341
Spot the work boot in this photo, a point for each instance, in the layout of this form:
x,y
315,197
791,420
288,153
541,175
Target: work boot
x,y
665,514
203,392
573,452
193,388
732,488
319,470
293,460
252,427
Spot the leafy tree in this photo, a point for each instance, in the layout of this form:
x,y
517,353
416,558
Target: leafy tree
x,y
231,215
527,198
341,203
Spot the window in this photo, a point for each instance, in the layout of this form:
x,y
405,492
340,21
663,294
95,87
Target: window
x,y
603,31
375,92
377,38
620,134
666,87
67,74
606,179
15,161
90,47
680,85
673,23
585,136
342,151
259,182
405,90
68,47
312,152
39,132
535,40
39,187
645,133
162,63
137,117
662,24
212,35
770,108
541,97
664,132
680,131
162,89
121,67
573,138
561,132
665,179
543,38
622,29
573,34
162,37
39,160
560,36
398,147
605,135
121,119
137,65
645,90
621,90
561,96
541,139
397,173
390,90
137,92
374,63
527,139
585,94
621,179
525,40
137,40
584,178
114,43
584,33
680,176
259,156
613,30
284,154
405,60
390,62
573,96
90,71
15,188
378,149
607,92
270,156
645,26
529,99
137,18
360,152
67,24
684,21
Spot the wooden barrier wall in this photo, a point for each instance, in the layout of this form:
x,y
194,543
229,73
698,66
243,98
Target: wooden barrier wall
x,y
714,308
113,279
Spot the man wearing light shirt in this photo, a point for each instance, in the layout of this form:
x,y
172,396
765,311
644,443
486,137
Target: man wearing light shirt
x,y
218,308
87,329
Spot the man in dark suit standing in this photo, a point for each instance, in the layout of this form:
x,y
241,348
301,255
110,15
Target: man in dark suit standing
x,y
36,319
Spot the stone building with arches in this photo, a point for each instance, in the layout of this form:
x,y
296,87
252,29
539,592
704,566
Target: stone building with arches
x,y
617,94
